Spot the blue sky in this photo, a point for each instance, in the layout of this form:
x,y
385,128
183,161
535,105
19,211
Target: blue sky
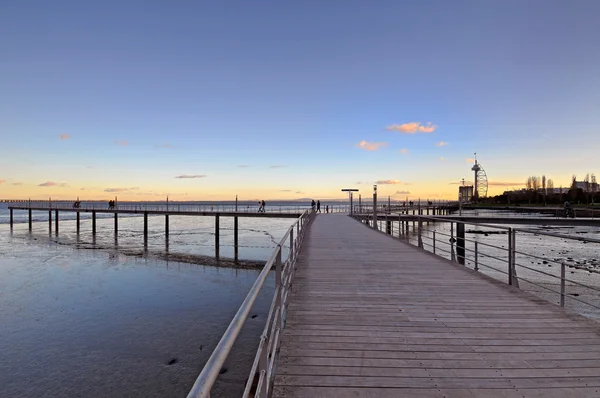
x,y
145,91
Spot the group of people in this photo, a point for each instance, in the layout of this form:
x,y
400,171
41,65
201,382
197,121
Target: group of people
x,y
316,207
261,206
111,204
76,204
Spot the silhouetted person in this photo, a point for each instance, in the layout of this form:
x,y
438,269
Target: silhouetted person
x,y
263,205
318,206
312,205
327,209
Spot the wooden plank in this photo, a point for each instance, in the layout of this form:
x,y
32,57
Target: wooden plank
x,y
375,392
370,316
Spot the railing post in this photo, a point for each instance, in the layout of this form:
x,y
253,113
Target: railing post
x,y
562,284
510,257
292,251
452,240
460,242
433,242
476,257
515,279
278,280
420,232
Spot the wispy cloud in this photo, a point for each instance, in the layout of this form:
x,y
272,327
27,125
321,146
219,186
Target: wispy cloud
x,y
48,184
470,160
402,192
243,165
2,181
441,143
403,151
191,176
371,146
460,183
64,137
442,159
64,185
388,182
115,190
121,142
299,192
14,183
89,167
413,128
505,184
165,145
285,190
278,166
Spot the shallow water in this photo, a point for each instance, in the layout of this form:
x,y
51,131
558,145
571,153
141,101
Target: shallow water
x,y
90,317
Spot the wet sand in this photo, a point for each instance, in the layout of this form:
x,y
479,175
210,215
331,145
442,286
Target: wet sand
x,y
100,323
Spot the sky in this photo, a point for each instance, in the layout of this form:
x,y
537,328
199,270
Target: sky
x,y
200,100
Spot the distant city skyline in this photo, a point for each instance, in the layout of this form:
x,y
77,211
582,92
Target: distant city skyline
x,y
205,101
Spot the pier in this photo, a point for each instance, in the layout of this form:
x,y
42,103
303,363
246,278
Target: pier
x,y
54,210
369,315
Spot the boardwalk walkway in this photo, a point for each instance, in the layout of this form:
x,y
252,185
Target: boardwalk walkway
x,y
370,316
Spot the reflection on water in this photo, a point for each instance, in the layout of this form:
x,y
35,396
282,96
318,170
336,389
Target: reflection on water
x,y
98,323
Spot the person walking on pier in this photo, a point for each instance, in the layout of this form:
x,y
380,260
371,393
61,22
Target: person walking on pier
x,y
263,204
318,206
312,205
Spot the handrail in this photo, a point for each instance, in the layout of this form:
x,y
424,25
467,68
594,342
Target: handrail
x,y
275,319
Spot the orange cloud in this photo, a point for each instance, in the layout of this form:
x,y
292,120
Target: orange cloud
x,y
371,146
48,184
441,143
388,182
1,181
413,127
402,192
64,136
403,151
121,142
470,160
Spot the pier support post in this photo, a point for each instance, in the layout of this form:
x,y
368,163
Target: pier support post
x,y
50,221
235,238
78,219
217,236
460,242
56,221
11,218
167,226
116,225
145,229
93,223
30,221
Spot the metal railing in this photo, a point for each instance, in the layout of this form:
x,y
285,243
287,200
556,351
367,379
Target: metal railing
x,y
179,207
502,258
263,369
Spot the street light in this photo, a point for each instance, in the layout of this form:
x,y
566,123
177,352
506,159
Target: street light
x,y
350,190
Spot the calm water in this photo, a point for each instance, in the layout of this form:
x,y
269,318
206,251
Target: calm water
x,y
98,317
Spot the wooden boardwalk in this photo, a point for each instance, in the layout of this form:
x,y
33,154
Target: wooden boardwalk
x,y
370,316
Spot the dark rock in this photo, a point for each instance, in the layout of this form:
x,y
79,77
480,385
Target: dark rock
x,y
172,361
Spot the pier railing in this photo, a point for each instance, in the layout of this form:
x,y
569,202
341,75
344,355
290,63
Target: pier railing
x,y
263,369
177,207
534,260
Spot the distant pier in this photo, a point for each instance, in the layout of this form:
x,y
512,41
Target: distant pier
x,y
145,211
